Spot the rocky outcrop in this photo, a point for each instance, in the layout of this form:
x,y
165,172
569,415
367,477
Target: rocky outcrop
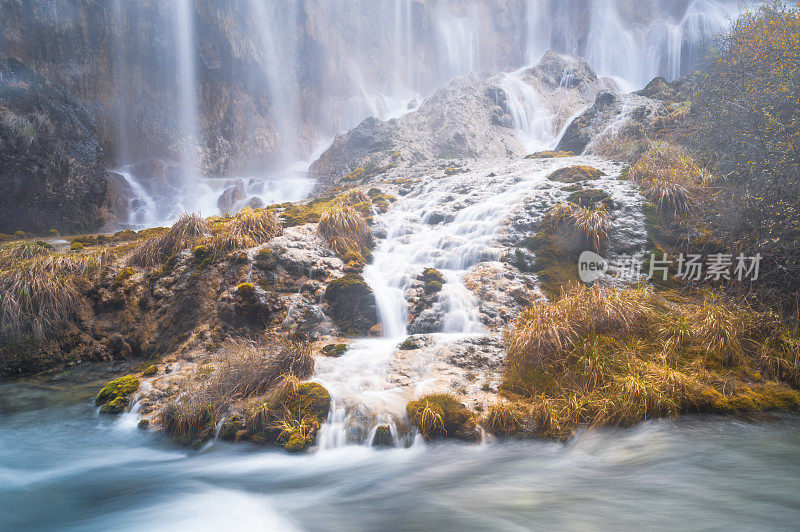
x,y
612,117
51,169
473,117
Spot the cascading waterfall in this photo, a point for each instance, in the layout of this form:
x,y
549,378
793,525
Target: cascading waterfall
x,y
323,66
184,29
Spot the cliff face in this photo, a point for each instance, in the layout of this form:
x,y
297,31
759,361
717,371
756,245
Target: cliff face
x,y
275,80
51,170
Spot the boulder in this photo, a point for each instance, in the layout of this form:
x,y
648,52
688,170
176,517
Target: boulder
x,y
351,304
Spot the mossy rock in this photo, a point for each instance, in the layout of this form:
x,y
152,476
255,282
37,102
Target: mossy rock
x,y
351,304
313,399
432,274
231,428
115,395
574,174
124,274
550,154
150,371
383,437
334,350
442,416
409,344
115,406
296,443
432,287
591,197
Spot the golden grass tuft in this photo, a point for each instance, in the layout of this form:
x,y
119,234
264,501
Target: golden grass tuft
x,y
247,229
591,225
345,229
183,234
670,177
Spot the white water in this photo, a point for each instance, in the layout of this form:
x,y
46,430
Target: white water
x,y
532,121
373,381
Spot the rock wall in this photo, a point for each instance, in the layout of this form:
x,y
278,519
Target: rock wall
x,y
51,170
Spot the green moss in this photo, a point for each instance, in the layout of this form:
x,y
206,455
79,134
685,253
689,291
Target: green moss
x,y
441,416
150,371
201,253
246,290
550,155
114,406
591,197
574,174
115,395
124,274
334,350
230,429
432,287
296,443
408,344
76,246
313,399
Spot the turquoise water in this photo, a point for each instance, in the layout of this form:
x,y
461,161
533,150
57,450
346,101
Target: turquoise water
x,y
69,469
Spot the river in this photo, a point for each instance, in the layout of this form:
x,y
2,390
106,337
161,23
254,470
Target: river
x,y
68,468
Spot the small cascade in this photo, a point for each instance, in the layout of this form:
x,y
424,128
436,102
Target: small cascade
x,y
533,123
373,381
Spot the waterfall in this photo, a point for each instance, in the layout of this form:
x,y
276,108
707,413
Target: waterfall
x,y
187,83
533,123
316,68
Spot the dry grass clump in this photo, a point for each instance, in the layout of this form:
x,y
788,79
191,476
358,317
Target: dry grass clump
x,y
245,368
15,252
247,229
592,226
256,390
605,356
184,233
39,296
671,178
345,229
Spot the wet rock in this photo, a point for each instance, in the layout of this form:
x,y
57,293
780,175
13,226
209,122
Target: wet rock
x,y
231,197
383,437
351,304
442,416
334,350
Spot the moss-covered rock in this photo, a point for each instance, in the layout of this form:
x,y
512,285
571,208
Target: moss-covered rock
x,y
591,197
231,427
441,415
115,395
432,287
351,304
383,437
550,154
574,174
150,371
334,350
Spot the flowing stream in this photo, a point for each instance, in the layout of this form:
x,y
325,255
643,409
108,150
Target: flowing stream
x,y
70,469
